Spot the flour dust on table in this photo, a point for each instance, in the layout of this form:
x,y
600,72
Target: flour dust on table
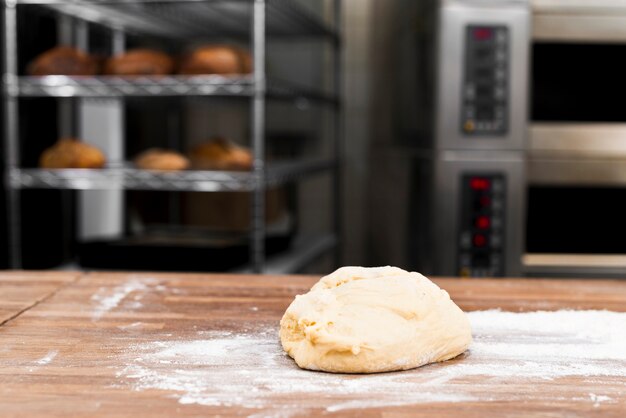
x,y
250,370
107,299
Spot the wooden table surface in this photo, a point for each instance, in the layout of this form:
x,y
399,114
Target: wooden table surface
x,y
71,344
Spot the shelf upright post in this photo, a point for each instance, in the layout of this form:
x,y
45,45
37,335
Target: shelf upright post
x,y
257,236
338,136
11,132
66,111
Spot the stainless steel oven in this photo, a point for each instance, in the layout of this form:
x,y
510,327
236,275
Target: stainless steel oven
x,y
576,200
469,157
513,134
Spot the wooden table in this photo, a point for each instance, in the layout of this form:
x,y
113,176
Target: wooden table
x,y
71,344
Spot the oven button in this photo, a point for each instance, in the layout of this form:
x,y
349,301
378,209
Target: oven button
x,y
466,240
497,186
482,222
479,240
496,222
469,126
496,205
500,36
496,241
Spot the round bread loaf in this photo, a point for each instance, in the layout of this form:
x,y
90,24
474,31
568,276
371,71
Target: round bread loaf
x,y
140,62
160,159
63,60
221,154
72,153
216,59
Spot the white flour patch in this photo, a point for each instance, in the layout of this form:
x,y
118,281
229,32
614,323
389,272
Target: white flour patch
x,y
47,358
250,370
131,326
597,400
107,299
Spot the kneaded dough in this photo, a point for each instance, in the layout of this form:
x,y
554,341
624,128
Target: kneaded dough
x,y
368,320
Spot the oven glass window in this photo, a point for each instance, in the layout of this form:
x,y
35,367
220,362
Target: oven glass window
x,y
578,82
580,220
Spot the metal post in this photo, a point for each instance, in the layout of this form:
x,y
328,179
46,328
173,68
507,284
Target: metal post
x,y
338,137
11,133
101,212
118,42
257,236
82,35
66,109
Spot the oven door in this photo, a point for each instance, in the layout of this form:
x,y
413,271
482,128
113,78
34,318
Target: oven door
x,y
576,217
576,230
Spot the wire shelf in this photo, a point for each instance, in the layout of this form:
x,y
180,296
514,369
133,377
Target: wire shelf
x,y
192,19
190,180
109,86
140,86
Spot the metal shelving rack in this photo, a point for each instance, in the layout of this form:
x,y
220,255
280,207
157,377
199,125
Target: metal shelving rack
x,y
183,19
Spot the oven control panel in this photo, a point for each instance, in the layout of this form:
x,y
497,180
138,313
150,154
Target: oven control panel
x,y
485,89
481,231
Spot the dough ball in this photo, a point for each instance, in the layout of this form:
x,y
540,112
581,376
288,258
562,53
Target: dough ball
x,y
72,153
368,320
161,160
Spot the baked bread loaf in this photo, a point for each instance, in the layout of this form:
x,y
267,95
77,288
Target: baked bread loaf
x,y
217,59
140,62
221,154
71,153
63,60
160,159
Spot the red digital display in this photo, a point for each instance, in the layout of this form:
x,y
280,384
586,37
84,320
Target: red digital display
x,y
480,183
483,222
482,34
480,240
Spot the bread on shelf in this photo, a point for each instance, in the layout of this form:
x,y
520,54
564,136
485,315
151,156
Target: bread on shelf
x,y
140,62
161,160
63,60
216,59
221,154
72,153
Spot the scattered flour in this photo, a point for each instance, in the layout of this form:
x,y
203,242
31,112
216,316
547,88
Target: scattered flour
x,y
597,400
250,369
107,299
131,326
47,358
